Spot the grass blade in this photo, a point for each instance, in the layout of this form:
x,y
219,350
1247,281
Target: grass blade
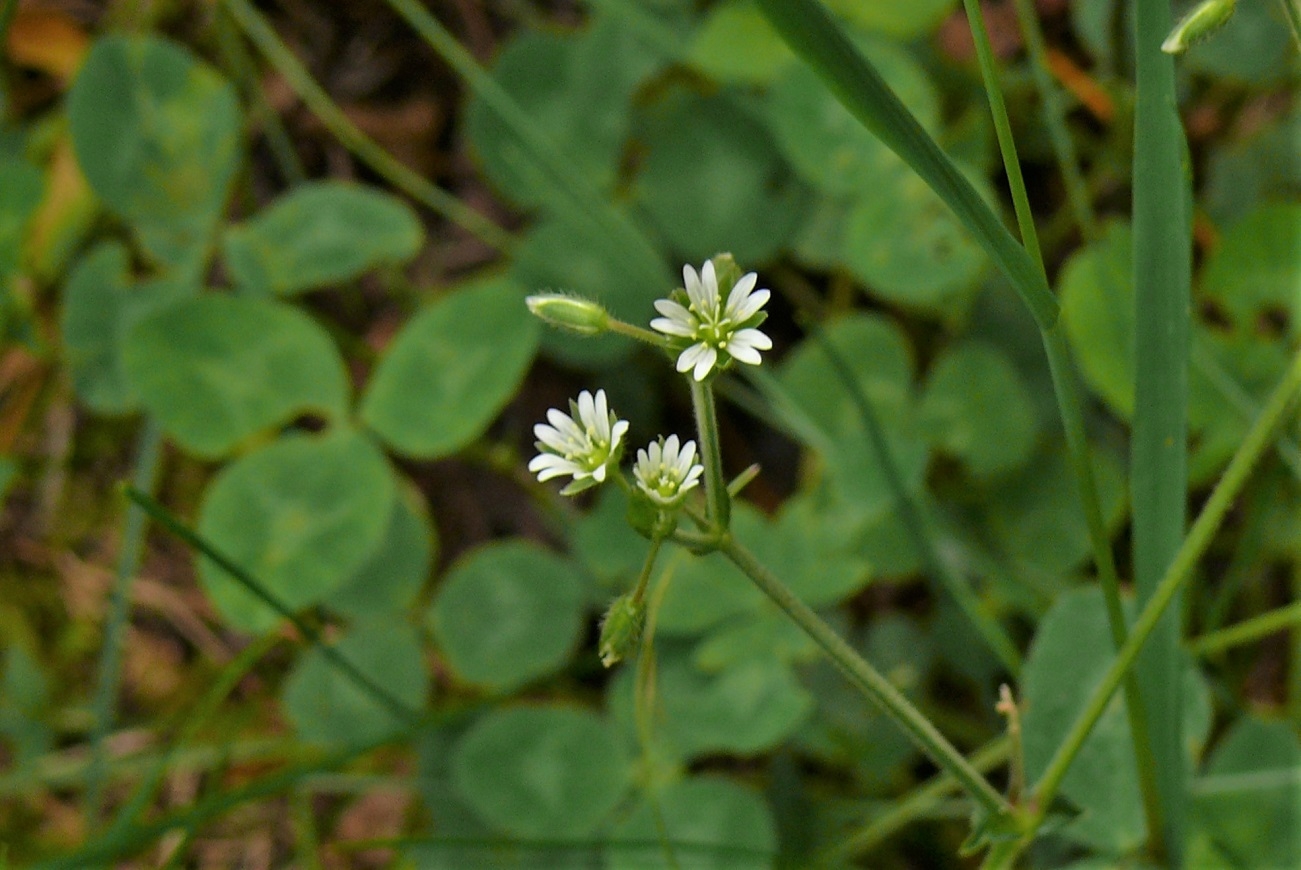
x,y
367,150
1159,446
914,519
1175,576
109,678
340,662
815,37
585,205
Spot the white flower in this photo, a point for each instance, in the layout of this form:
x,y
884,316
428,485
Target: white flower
x,y
665,473
714,333
585,445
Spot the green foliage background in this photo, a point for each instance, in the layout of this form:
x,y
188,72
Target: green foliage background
x,y
182,289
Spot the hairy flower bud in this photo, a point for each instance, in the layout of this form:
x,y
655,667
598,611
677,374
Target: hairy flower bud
x,y
621,628
1199,24
582,316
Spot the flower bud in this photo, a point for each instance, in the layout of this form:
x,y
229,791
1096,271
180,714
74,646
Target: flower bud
x,y
621,628
582,316
1203,20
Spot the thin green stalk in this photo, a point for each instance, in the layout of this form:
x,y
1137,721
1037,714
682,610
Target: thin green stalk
x,y
309,843
377,692
1066,381
654,339
224,683
1054,113
910,807
1246,631
870,682
1003,130
1180,570
135,838
1081,206
808,29
148,460
1294,656
1209,367
236,57
1159,444
915,520
1292,11
67,769
366,149
644,709
587,204
717,501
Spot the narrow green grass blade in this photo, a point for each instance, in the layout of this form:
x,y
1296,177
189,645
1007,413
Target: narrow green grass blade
x,y
221,686
104,849
1066,380
577,201
109,678
337,660
910,807
366,149
67,768
810,31
1158,605
915,521
239,62
1247,631
1159,449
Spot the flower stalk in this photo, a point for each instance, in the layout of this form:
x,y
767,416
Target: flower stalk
x,y
870,682
718,503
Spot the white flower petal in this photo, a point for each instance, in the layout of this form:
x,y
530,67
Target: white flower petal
x,y
744,353
740,291
616,432
747,307
552,439
587,410
689,278
673,327
690,356
672,310
752,338
705,363
709,280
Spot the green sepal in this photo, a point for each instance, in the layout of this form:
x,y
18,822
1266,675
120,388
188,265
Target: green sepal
x,y
988,829
727,272
621,628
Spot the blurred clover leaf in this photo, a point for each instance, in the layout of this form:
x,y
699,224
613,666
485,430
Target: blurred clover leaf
x,y
450,370
157,134
101,306
301,515
508,613
320,233
542,772
712,822
388,582
217,370
327,707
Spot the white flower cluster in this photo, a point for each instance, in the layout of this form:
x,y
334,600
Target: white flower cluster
x,y
706,332
583,444
715,333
